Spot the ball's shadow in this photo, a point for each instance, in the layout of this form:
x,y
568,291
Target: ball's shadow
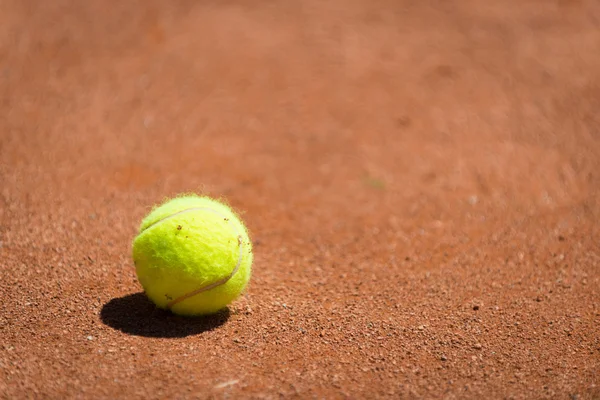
x,y
134,314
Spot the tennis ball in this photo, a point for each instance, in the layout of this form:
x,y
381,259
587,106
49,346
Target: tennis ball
x,y
192,255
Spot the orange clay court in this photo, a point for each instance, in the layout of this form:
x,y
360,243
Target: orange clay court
x,y
420,180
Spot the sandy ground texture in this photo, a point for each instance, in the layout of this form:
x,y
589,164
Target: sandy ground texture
x,y
420,178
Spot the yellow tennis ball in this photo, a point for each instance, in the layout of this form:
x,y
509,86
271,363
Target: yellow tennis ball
x,y
192,255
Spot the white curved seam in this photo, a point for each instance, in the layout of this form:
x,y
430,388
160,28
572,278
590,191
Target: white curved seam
x,y
214,284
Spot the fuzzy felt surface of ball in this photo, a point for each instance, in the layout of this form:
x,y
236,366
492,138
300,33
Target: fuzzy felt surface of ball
x,y
193,255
